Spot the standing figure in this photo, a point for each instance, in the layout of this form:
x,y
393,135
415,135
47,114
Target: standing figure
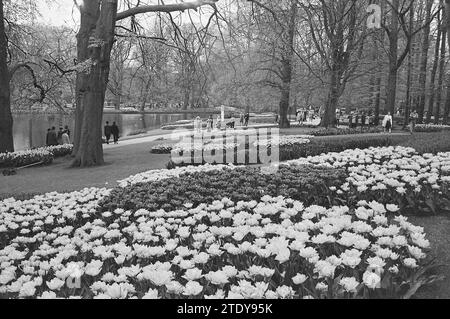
x,y
241,119
47,138
108,132
246,119
387,123
115,132
59,136
412,121
66,128
65,137
363,121
209,123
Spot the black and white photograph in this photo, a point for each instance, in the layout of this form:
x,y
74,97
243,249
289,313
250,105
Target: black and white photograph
x,y
225,155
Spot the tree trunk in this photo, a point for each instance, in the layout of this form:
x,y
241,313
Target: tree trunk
x,y
329,117
6,120
447,103
447,23
284,106
90,152
89,12
287,68
437,111
408,91
391,87
434,70
424,62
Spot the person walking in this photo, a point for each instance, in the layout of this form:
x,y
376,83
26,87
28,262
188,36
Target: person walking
x,y
241,119
66,128
247,119
350,120
387,123
108,132
115,132
209,123
65,137
47,138
53,137
363,121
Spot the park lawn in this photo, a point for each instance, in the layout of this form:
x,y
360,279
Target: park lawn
x,y
121,162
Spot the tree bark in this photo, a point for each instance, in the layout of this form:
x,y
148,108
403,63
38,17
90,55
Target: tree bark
x,y
89,15
447,103
437,111
391,87
434,69
90,151
6,120
424,62
447,23
287,67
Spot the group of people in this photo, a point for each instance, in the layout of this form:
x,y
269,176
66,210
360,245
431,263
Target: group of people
x,y
111,130
244,119
57,138
359,119
305,116
388,122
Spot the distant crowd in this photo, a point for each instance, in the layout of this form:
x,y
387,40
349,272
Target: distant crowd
x,y
111,131
60,137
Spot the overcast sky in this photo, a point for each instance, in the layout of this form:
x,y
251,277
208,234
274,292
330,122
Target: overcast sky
x,y
58,12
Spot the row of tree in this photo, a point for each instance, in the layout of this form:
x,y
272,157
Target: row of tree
x,y
258,54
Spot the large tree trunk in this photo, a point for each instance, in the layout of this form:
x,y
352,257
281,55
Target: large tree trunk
x,y
434,69
447,23
6,120
437,111
287,67
424,62
284,106
447,103
408,91
90,150
391,87
89,12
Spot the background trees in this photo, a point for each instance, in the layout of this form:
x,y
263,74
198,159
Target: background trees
x,y
256,55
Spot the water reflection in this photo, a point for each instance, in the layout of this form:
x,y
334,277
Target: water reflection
x,y
30,129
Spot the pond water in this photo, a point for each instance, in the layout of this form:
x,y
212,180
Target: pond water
x,y
30,129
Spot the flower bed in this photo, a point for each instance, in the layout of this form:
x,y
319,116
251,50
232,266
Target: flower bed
x,y
321,146
60,150
311,185
431,128
346,131
24,158
417,183
277,248
28,157
282,141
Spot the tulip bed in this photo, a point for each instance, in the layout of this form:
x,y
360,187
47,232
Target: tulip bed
x,y
28,157
346,131
274,248
419,184
430,128
327,226
228,144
